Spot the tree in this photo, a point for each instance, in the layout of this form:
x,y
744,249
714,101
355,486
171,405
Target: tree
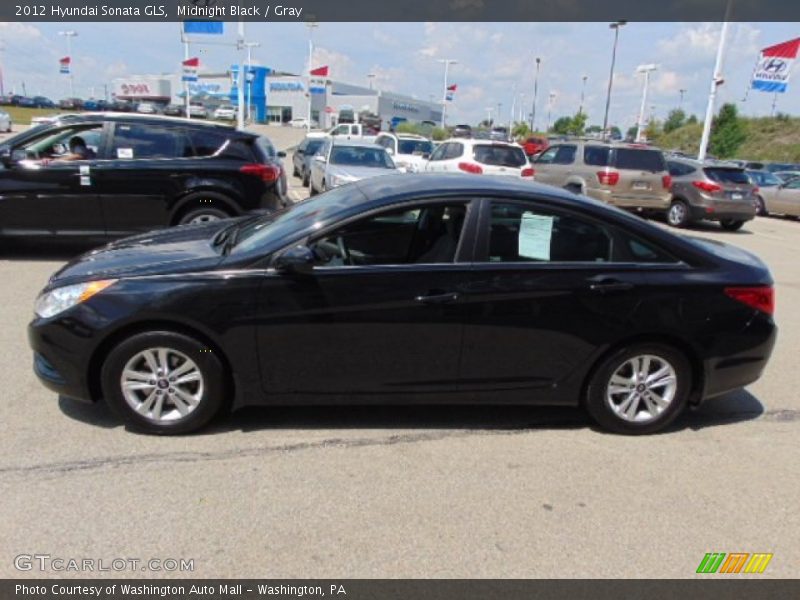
x,y
675,120
561,126
615,132
631,133
594,129
727,132
577,124
692,120
520,129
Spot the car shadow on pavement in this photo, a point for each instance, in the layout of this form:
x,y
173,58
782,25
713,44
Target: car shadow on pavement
x,y
732,408
700,227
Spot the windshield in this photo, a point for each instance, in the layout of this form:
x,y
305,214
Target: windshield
x,y
415,147
764,178
721,175
360,156
293,220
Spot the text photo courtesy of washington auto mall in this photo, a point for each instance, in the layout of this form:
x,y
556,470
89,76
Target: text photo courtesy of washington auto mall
x,y
427,299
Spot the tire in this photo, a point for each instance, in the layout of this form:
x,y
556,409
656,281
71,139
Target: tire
x,y
295,172
761,207
575,189
678,214
312,191
167,418
608,407
306,180
731,225
203,214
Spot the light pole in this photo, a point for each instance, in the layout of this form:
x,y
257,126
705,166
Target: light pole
x,y
535,92
521,118
489,110
69,34
249,78
312,25
680,104
447,62
646,69
371,77
615,26
550,102
583,94
513,107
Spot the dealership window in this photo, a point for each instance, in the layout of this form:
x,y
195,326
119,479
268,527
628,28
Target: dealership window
x,y
427,234
134,141
279,114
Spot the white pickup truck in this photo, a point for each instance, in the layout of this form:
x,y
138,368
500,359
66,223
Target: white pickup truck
x,y
346,131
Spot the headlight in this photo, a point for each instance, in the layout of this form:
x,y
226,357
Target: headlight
x,y
60,299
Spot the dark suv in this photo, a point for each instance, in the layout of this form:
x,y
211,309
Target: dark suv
x,y
106,175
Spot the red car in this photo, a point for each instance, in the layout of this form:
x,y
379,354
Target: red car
x,y
535,145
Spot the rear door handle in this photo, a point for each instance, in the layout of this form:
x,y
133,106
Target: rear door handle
x,y
438,298
605,286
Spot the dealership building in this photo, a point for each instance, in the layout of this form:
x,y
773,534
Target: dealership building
x,y
280,97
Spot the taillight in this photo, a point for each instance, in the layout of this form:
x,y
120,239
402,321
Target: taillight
x,y
608,177
759,297
470,168
528,172
267,173
666,182
756,190
706,186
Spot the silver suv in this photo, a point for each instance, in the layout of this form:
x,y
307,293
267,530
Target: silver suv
x,y
710,191
626,175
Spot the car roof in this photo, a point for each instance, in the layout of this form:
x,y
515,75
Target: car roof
x,y
154,119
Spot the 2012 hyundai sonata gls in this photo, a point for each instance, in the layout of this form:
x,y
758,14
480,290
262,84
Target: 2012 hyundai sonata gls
x,y
408,289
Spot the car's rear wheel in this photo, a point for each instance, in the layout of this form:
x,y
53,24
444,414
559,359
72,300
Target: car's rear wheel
x,y
640,389
306,179
678,214
164,382
731,225
761,207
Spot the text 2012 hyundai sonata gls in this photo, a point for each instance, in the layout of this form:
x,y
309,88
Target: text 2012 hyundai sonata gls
x,y
408,289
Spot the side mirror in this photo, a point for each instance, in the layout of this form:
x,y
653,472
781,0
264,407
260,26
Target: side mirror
x,y
299,151
282,154
390,151
298,260
319,158
426,155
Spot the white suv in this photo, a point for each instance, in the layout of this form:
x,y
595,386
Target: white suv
x,y
408,150
481,157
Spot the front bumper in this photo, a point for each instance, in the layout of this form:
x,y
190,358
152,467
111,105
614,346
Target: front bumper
x,y
59,360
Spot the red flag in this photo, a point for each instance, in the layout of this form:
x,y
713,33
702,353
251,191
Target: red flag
x,y
65,61
320,71
452,88
192,62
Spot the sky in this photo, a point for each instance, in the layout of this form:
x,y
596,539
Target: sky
x,y
495,61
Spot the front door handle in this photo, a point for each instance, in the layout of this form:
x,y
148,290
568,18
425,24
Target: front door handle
x,y
438,298
608,285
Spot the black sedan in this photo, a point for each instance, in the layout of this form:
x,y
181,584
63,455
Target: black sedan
x,y
408,289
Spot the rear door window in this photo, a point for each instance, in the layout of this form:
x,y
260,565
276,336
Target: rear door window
x,y
565,155
139,141
498,155
637,159
454,150
596,156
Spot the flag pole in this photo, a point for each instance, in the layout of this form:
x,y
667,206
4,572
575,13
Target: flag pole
x,y
716,81
186,102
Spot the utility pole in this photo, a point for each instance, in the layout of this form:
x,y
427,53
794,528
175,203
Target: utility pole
x,y
513,107
69,34
535,93
680,104
716,81
616,27
447,62
550,102
489,110
646,69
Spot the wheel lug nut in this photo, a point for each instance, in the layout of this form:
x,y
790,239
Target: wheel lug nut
x,y
171,391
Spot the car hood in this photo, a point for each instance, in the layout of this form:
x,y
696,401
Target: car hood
x,y
356,173
177,250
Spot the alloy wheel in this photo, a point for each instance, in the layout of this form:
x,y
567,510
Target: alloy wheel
x,y
642,388
677,214
162,384
204,218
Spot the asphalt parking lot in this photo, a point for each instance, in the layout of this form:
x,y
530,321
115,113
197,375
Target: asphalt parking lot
x,y
404,492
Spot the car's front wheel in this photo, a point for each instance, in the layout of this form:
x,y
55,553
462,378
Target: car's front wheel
x,y
761,207
640,389
164,382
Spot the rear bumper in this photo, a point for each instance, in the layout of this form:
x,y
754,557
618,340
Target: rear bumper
x,y
657,202
714,212
743,362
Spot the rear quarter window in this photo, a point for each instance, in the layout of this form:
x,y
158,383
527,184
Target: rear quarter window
x,y
596,156
206,143
639,160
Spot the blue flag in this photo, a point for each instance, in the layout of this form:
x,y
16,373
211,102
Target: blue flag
x,y
203,27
